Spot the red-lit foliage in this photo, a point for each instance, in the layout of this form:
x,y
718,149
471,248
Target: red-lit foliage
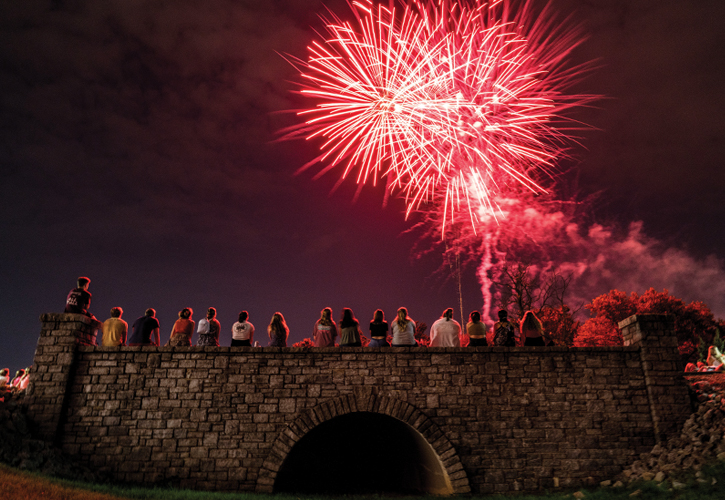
x,y
559,324
692,321
306,343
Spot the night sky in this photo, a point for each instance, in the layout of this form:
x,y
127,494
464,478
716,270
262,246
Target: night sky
x,y
137,148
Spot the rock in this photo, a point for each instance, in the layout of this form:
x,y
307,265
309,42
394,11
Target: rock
x,y
721,456
606,483
578,494
647,476
678,486
618,484
636,493
660,476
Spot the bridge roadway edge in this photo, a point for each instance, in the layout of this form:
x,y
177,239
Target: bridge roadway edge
x,y
514,419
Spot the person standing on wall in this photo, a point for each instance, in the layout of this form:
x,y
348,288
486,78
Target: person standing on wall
x,y
145,330
115,329
79,299
211,338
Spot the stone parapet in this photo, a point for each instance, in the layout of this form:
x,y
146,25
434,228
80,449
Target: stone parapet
x,y
663,369
60,336
498,419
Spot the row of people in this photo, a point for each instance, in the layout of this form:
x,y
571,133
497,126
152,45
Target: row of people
x,y
445,332
17,385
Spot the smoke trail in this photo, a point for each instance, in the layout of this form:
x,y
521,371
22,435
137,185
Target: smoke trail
x,y
550,235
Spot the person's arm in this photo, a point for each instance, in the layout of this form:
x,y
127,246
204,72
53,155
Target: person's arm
x,y
155,333
251,333
124,335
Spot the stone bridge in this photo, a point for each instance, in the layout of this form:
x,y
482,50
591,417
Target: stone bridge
x,y
332,420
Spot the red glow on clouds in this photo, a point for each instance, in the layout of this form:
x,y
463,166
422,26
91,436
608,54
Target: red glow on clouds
x,y
455,107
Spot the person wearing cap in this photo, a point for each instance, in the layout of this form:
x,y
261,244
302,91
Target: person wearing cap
x,y
209,330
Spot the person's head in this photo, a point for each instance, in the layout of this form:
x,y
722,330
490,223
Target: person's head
x,y
20,372
210,313
503,315
186,313
4,372
474,317
243,316
278,320
83,282
448,314
402,314
326,315
116,312
378,316
531,322
150,312
348,318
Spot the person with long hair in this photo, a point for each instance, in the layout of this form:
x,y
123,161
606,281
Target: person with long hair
x,y
349,329
532,331
183,329
404,330
242,331
278,331
379,330
476,330
325,329
446,331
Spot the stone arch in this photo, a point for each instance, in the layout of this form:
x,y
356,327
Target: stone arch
x,y
363,400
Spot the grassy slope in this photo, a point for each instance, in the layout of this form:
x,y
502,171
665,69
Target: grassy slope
x,y
20,485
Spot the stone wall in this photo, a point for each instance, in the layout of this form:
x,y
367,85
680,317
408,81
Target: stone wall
x,y
498,419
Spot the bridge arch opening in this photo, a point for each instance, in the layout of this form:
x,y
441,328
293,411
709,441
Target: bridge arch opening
x,y
366,453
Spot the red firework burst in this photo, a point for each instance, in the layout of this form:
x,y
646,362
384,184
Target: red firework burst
x,y
453,105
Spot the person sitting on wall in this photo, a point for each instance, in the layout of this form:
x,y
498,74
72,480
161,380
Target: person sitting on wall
x,y
278,331
144,328
79,299
350,334
715,360
325,329
242,331
4,378
183,329
504,331
404,330
211,338
379,330
532,331
476,330
115,329
446,331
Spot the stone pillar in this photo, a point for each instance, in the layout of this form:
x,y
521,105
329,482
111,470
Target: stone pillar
x,y
667,390
52,369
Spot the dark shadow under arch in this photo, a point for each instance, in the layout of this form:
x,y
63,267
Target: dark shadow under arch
x,y
363,452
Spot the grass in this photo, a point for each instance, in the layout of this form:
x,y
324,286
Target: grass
x,y
21,485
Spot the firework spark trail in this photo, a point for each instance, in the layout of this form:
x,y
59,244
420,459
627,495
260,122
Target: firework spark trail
x,y
452,105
